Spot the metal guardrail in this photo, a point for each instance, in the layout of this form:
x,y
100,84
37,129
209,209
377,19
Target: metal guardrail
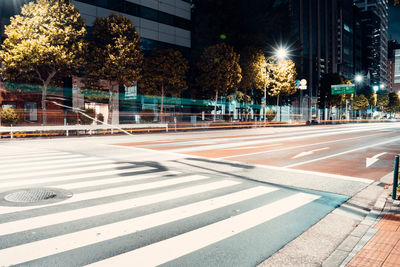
x,y
89,128
395,177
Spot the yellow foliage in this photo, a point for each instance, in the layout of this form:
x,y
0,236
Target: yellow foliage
x,y
281,77
46,38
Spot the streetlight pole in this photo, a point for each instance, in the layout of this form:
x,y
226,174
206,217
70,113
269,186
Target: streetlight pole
x,y
358,80
281,54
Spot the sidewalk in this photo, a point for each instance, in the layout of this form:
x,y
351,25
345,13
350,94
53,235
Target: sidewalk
x,y
378,237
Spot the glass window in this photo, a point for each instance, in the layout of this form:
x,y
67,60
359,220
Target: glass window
x,y
148,13
30,109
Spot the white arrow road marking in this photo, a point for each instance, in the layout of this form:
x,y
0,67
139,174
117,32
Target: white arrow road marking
x,y
370,161
302,154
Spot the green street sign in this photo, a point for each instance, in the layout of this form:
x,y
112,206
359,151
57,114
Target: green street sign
x,y
341,89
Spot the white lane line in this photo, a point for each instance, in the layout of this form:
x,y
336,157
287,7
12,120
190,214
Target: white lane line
x,y
322,174
113,192
101,164
129,225
29,158
25,182
241,139
186,243
227,145
294,147
68,184
342,153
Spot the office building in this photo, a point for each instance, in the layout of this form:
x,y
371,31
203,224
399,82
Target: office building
x,y
393,45
160,24
374,18
328,36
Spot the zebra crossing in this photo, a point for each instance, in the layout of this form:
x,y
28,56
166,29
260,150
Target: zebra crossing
x,y
135,213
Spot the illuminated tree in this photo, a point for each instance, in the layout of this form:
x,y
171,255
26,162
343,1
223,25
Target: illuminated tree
x,y
281,78
114,55
164,73
253,64
382,100
360,102
220,70
394,102
44,41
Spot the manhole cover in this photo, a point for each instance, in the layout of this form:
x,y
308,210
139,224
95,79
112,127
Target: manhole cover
x,y
33,196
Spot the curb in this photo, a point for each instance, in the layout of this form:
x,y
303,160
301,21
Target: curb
x,y
360,236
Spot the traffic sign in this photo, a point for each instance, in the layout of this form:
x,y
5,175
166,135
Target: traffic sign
x,y
341,89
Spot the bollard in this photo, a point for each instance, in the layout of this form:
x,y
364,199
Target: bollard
x,y
395,176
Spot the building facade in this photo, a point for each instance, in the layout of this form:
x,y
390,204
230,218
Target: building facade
x,y
374,18
396,72
160,24
329,35
393,45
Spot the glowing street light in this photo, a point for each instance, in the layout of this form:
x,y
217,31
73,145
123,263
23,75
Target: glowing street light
x,y
376,88
358,78
281,53
382,86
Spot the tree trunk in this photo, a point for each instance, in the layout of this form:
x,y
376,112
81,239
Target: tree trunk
x,y
278,106
215,105
44,96
113,103
264,105
44,92
162,104
110,102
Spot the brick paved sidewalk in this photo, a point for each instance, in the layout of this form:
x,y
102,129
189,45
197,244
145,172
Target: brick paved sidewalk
x,y
383,249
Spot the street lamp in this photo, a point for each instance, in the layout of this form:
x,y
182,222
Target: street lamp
x,y
281,53
358,78
382,86
376,88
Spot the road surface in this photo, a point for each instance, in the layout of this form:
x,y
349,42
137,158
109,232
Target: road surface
x,y
217,198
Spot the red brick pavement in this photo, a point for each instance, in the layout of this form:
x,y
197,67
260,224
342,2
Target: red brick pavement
x,y
383,249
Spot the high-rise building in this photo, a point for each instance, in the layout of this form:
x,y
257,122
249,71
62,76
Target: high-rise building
x,y
374,18
328,36
160,24
393,79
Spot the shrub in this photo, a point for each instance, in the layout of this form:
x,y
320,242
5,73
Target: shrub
x,y
100,117
270,114
85,120
10,116
71,118
147,115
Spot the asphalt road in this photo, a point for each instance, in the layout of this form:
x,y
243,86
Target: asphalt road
x,y
217,198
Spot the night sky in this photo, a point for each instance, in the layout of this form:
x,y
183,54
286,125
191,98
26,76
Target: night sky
x,y
394,23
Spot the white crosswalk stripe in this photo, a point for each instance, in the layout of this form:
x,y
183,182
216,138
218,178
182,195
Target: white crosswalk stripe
x,y
22,170
27,158
38,172
107,172
110,203
175,247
